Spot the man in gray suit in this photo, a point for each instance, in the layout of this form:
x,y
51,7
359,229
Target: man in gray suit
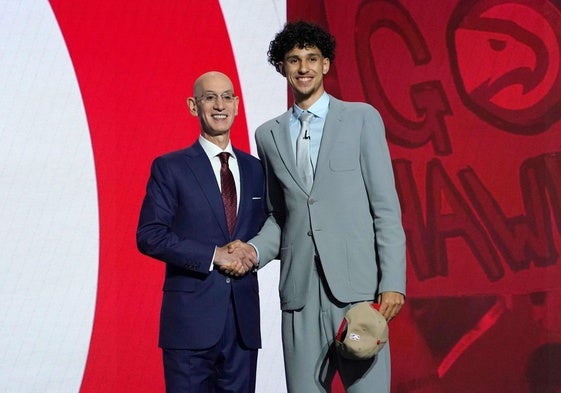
x,y
340,239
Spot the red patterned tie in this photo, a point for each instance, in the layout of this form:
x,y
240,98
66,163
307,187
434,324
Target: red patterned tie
x,y
228,191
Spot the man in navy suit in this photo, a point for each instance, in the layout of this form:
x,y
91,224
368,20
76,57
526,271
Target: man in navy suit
x,y
209,323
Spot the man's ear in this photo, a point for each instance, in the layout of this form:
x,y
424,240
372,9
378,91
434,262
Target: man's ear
x,y
326,65
192,104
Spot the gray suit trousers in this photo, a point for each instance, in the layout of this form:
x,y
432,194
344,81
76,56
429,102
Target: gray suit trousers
x,y
310,358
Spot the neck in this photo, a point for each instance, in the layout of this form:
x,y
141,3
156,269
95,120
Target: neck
x,y
306,101
221,140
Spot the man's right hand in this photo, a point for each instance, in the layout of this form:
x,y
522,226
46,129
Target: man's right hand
x,y
236,258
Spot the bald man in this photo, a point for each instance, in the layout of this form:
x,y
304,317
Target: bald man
x,y
209,323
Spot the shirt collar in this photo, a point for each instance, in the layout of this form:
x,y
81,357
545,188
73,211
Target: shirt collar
x,y
212,150
318,109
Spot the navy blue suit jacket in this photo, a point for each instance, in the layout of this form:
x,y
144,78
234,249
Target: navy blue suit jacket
x,y
181,221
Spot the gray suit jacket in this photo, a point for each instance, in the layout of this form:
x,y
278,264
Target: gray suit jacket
x,y
352,213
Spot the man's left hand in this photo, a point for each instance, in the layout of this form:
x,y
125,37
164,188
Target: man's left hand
x,y
390,304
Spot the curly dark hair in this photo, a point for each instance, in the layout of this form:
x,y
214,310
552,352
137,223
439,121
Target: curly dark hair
x,y
302,35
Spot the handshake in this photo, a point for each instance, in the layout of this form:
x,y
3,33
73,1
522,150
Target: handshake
x,y
236,258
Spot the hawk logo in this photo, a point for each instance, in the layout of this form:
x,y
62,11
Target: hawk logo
x,y
505,58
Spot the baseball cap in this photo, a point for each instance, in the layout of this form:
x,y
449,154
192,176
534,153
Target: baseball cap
x,y
363,332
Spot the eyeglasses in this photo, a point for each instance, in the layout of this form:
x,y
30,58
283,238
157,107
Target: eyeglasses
x,y
212,98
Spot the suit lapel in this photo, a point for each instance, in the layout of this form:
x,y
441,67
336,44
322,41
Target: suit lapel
x,y
281,138
330,129
243,165
202,170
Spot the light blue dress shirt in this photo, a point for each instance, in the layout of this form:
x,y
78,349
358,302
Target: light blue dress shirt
x,y
319,109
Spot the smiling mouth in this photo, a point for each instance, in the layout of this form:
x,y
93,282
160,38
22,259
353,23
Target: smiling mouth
x,y
219,116
305,83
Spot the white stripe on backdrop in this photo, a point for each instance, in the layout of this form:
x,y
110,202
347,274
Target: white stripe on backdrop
x,y
251,26
49,237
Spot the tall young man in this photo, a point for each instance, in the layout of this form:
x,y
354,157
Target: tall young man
x,y
335,227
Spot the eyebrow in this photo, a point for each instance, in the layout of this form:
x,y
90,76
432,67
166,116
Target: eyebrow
x,y
304,56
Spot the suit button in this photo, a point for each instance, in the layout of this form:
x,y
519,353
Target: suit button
x,y
311,201
309,233
228,280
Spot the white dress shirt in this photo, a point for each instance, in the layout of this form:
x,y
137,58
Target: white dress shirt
x,y
212,151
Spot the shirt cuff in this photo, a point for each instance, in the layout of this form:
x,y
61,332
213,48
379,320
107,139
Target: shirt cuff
x,y
256,252
212,261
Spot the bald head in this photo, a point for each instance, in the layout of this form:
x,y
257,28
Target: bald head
x,y
208,82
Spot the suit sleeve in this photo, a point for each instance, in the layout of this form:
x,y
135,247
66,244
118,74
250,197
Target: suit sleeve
x,y
155,235
379,180
267,241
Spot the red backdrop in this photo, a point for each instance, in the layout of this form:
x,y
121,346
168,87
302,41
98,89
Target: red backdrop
x,y
470,94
